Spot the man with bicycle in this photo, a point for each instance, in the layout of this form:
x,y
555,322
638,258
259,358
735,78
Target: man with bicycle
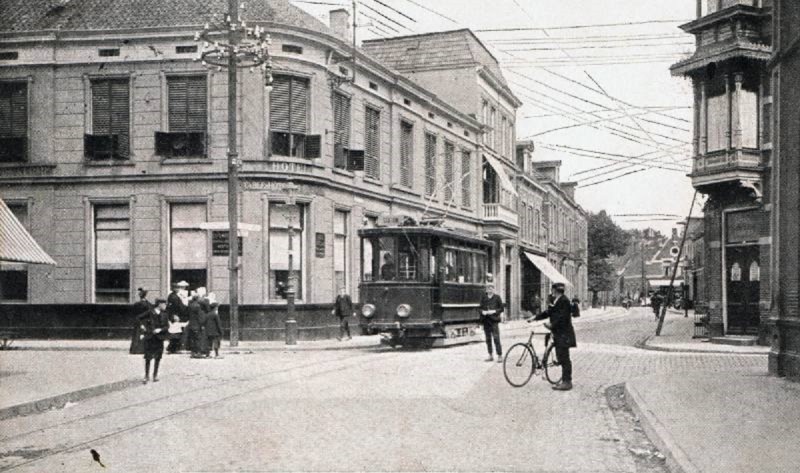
x,y
559,312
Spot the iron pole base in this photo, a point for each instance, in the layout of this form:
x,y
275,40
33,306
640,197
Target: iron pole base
x,y
291,332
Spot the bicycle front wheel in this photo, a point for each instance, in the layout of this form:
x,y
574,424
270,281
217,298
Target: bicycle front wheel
x,y
552,366
519,365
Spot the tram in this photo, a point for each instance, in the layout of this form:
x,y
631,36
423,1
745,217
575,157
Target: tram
x,y
421,285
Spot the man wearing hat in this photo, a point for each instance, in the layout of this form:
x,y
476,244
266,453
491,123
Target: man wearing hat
x,y
560,314
491,309
141,306
154,326
177,306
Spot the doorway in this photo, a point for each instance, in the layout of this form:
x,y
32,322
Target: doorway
x,y
743,279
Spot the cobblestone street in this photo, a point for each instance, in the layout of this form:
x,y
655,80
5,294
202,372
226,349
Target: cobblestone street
x,y
366,409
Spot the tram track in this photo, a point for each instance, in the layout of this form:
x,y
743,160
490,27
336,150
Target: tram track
x,y
341,364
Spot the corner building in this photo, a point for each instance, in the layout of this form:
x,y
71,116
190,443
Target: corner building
x,y
733,160
114,157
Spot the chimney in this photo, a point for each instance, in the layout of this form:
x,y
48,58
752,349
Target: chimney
x,y
569,188
340,23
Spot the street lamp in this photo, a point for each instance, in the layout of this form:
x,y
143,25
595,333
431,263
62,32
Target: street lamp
x,y
231,44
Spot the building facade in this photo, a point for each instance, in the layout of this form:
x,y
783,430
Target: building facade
x,y
784,357
114,155
733,159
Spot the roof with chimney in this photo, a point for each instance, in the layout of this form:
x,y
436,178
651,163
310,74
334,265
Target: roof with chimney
x,y
87,15
431,51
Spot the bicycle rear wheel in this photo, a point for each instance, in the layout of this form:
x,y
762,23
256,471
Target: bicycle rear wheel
x,y
552,367
519,365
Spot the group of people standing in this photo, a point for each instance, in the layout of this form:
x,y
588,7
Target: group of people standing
x,y
189,321
560,311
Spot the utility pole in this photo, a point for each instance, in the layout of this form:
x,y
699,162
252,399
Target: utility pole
x,y
232,44
291,322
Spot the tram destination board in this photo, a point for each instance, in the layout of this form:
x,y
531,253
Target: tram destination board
x,y
220,246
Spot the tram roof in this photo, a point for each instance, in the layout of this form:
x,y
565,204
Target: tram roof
x,y
425,230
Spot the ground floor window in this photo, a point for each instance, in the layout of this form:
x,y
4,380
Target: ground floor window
x,y
112,246
282,219
14,276
188,245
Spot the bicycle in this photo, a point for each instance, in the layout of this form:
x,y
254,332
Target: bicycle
x,y
521,362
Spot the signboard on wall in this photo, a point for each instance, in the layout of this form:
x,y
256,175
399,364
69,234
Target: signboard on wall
x,y
319,245
220,246
746,226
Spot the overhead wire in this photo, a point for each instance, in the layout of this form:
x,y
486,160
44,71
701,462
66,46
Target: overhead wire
x,y
387,18
572,27
413,2
379,2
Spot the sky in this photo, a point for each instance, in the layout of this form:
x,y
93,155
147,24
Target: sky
x,y
597,91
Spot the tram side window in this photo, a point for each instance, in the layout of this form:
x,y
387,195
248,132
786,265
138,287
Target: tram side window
x,y
478,268
450,263
407,259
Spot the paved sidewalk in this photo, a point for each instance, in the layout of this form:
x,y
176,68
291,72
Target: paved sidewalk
x,y
676,336
721,422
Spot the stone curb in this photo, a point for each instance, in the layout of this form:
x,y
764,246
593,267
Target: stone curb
x,y
646,345
677,460
59,401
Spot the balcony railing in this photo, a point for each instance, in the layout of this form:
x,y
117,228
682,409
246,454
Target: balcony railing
x,y
500,214
725,160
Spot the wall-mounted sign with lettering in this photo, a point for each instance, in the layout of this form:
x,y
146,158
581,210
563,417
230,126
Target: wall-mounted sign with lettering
x,y
220,246
320,245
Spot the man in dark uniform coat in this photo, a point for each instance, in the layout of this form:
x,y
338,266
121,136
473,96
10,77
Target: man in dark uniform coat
x,y
560,314
196,327
491,309
343,308
139,307
154,325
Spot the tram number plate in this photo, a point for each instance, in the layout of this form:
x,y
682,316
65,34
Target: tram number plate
x,y
458,332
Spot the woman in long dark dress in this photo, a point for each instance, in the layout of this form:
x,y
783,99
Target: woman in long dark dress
x,y
156,325
139,307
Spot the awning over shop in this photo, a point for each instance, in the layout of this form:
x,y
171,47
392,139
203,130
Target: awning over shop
x,y
664,282
547,269
16,244
505,181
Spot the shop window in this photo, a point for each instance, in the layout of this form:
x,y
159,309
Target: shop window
x,y
112,253
14,276
188,118
13,122
288,107
110,138
188,245
281,218
340,249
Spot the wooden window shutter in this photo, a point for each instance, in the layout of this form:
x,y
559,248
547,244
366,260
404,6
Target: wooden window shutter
x,y
298,120
430,164
466,179
187,103
372,123
13,109
341,119
111,112
312,147
406,156
279,100
449,151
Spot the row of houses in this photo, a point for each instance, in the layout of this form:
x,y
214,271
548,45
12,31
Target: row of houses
x,y
113,154
744,72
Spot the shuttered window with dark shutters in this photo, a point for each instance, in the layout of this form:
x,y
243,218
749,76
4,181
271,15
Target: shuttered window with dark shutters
x,y
111,117
449,152
372,151
430,164
288,118
187,103
406,154
466,179
341,129
13,121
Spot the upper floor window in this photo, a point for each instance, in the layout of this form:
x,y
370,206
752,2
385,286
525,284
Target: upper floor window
x,y
406,154
372,143
13,121
342,119
187,110
110,137
430,164
466,178
288,118
449,172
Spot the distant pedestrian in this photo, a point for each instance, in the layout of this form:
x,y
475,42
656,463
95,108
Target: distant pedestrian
x,y
343,308
154,325
491,308
213,328
576,307
655,302
196,327
141,306
559,313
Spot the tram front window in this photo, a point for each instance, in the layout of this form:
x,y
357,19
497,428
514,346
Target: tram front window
x,y
395,259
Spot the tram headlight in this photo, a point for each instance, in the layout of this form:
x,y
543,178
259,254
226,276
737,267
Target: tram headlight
x,y
368,310
403,310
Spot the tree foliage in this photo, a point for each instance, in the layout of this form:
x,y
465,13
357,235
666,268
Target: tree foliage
x,y
606,239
